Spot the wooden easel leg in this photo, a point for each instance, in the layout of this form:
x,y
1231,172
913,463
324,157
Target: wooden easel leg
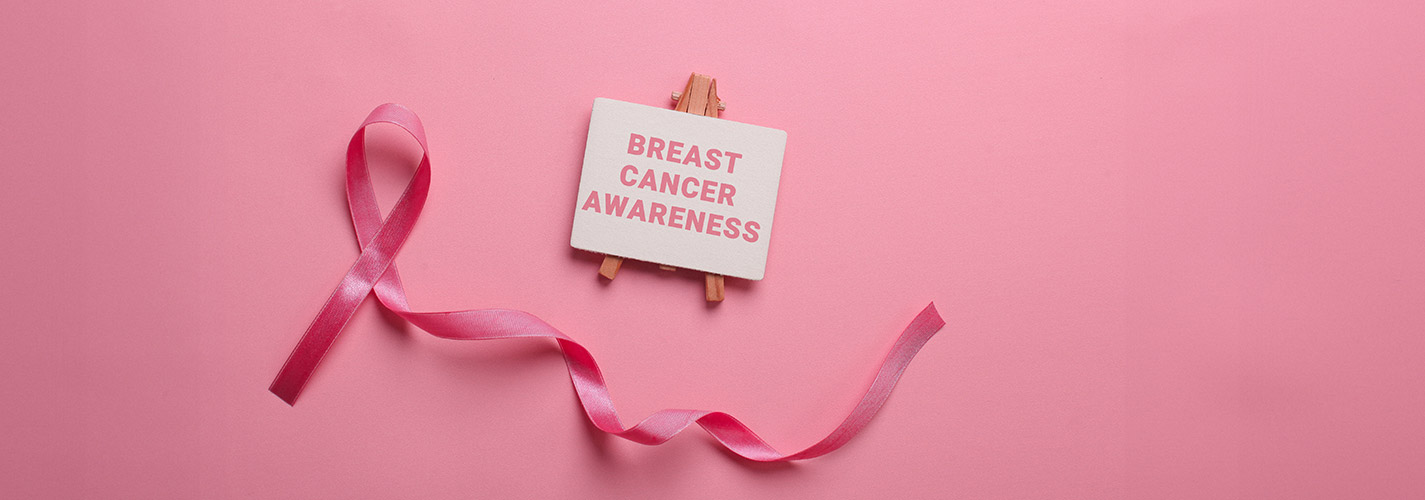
x,y
713,286
609,268
698,97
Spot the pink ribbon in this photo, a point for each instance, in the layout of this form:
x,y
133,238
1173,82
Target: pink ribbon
x,y
374,271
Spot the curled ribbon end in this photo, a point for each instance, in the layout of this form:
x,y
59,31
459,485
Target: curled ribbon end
x,y
283,393
931,317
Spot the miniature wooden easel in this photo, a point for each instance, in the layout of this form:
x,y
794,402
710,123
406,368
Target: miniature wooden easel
x,y
698,97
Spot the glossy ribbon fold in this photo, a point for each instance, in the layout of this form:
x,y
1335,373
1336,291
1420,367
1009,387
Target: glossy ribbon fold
x,y
374,271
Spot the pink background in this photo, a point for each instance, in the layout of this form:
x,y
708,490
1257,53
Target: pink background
x,y
1179,247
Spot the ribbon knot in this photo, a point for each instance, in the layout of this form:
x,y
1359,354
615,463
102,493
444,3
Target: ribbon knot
x,y
375,272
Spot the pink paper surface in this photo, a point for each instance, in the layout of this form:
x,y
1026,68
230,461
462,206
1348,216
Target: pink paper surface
x,y
1178,245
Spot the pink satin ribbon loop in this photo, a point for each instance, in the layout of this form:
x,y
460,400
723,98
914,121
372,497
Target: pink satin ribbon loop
x,y
375,271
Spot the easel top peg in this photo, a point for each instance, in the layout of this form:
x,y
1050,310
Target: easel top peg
x,y
721,104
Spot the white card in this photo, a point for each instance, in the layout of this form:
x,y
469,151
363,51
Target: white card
x,y
678,189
